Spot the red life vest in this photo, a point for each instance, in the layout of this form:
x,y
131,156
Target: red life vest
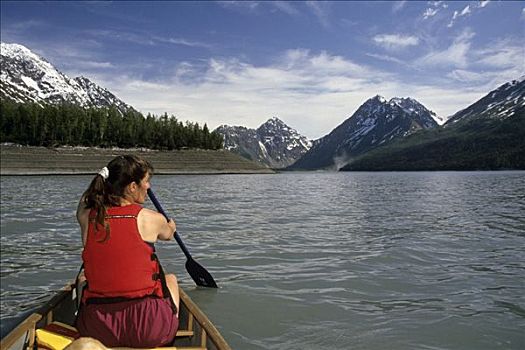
x,y
119,264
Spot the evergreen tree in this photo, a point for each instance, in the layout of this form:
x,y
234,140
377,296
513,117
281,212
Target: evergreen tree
x,y
55,125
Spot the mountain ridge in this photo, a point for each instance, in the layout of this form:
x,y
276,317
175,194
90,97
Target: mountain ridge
x,y
487,135
27,77
273,143
498,103
375,122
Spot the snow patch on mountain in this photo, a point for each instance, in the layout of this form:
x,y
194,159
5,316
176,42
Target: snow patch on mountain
x,y
273,144
501,103
376,122
27,77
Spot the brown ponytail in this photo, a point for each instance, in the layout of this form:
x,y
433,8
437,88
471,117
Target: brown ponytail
x,y
104,193
94,198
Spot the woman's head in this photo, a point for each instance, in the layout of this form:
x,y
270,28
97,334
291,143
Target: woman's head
x,y
127,174
127,180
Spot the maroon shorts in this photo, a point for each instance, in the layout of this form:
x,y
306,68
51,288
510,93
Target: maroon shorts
x,y
147,323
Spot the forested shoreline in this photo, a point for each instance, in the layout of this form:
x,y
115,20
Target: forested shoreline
x,y
59,125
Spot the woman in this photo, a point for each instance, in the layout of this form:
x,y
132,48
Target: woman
x,y
128,300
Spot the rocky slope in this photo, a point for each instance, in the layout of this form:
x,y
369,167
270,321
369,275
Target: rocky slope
x,y
376,122
498,104
274,144
487,135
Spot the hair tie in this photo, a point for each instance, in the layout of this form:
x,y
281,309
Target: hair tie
x,y
104,172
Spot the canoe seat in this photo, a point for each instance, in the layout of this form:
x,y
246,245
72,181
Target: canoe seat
x,y
56,335
184,333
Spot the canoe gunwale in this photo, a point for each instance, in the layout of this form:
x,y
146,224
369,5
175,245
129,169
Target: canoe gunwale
x,y
29,324
26,327
209,329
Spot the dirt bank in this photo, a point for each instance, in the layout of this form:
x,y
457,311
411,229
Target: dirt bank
x,y
23,160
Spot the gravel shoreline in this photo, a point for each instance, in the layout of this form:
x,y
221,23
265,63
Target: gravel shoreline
x,y
27,160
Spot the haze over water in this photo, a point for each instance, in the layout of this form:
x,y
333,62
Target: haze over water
x,y
427,260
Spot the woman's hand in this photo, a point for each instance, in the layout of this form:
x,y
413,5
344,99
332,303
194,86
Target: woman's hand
x,y
173,227
167,230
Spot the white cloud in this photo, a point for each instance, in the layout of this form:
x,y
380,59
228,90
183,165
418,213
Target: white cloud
x,y
456,55
240,5
483,3
321,10
502,56
27,25
498,61
181,41
386,58
115,35
93,64
467,76
457,14
434,8
285,7
320,64
445,101
429,12
484,81
143,38
465,11
451,23
395,41
398,6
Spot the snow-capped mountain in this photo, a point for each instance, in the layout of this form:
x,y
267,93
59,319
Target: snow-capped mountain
x,y
27,77
487,135
273,144
374,123
497,104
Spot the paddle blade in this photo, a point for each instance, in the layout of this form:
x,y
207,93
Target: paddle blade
x,y
199,274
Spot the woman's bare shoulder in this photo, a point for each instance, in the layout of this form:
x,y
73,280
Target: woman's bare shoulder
x,y
150,223
151,216
149,212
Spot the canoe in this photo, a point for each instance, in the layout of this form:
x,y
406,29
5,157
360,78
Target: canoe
x,y
196,332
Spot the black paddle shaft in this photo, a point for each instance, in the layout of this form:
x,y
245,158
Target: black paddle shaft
x,y
198,273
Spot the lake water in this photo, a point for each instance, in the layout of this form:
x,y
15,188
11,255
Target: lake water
x,y
423,260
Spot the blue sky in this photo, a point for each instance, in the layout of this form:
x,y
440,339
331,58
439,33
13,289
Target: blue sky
x,y
312,64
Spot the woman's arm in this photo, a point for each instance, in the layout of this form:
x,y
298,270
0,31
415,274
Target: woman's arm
x,y
83,219
168,230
